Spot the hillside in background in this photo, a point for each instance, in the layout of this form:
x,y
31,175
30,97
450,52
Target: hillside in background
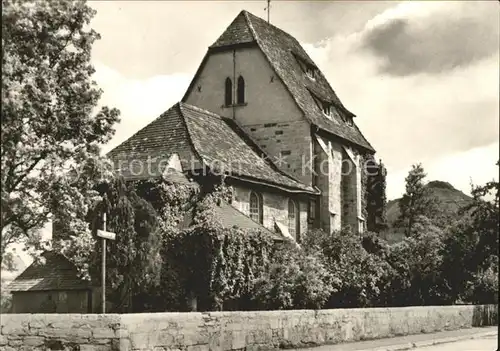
x,y
450,200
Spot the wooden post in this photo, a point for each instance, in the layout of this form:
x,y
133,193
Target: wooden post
x,y
104,267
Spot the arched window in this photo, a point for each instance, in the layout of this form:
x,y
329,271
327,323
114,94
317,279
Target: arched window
x,y
293,220
228,94
256,207
241,90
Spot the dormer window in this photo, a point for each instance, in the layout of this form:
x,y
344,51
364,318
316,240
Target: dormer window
x,y
349,121
327,109
310,72
308,68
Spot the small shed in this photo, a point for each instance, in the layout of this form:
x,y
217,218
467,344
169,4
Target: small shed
x,y
53,287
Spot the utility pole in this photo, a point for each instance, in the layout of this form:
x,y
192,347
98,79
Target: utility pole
x,y
104,266
104,235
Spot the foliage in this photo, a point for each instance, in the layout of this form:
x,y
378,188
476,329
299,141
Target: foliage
x,y
356,275
485,286
471,247
50,130
215,264
5,301
133,259
416,201
294,279
416,267
376,202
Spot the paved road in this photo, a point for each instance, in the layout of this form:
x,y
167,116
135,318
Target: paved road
x,y
488,343
472,339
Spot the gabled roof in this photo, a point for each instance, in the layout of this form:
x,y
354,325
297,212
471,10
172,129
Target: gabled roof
x,y
201,139
57,273
284,53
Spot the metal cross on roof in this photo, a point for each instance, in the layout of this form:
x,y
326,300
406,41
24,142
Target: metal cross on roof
x,y
268,8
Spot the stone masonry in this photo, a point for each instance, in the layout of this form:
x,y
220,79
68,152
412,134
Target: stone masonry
x,y
214,331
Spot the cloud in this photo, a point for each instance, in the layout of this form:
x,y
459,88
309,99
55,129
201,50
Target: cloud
x,y
476,166
414,38
415,118
140,101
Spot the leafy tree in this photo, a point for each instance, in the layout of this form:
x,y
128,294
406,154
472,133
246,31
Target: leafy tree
x,y
416,268
133,259
471,247
416,201
50,126
376,197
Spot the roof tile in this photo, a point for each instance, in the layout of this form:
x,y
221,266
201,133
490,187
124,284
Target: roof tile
x,y
57,273
202,136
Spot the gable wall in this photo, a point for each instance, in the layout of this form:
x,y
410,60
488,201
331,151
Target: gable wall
x,y
270,115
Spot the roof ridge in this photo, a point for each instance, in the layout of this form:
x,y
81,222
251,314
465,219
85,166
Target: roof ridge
x,y
251,17
246,135
250,25
190,136
268,23
137,132
199,109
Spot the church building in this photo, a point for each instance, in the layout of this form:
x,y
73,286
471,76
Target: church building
x,y
259,111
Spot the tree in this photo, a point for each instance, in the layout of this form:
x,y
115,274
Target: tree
x,y
416,201
471,247
133,258
51,129
376,197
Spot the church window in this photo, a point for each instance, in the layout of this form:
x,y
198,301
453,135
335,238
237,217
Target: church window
x,y
293,220
256,207
228,95
241,90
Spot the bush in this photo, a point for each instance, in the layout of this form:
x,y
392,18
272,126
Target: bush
x,y
5,302
294,280
356,275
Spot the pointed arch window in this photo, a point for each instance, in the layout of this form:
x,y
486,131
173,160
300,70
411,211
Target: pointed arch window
x,y
228,92
293,220
256,207
241,90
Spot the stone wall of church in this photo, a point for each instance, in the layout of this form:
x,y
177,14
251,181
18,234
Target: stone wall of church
x,y
269,114
275,207
288,144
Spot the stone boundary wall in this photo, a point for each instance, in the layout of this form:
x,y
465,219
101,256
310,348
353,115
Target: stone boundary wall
x,y
263,330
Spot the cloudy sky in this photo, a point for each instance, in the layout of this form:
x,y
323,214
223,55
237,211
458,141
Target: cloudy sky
x,y
423,78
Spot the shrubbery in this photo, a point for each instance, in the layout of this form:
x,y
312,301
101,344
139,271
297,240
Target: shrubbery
x,y
182,255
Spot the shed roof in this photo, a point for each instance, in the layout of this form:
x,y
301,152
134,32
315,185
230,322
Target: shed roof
x,y
57,273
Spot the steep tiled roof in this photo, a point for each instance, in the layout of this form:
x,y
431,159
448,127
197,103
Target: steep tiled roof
x,y
202,136
283,53
156,142
238,32
57,273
